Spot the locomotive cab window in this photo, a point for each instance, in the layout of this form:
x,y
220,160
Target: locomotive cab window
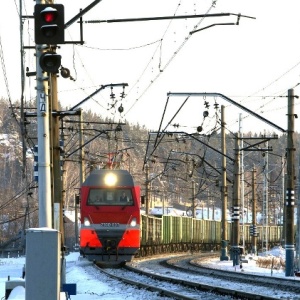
x,y
106,197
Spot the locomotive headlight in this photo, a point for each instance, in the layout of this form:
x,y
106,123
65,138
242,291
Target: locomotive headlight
x,y
110,179
133,222
86,222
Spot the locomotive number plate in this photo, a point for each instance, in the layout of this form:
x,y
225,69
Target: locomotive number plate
x,y
110,224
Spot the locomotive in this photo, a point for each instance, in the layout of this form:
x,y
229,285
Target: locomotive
x,y
110,217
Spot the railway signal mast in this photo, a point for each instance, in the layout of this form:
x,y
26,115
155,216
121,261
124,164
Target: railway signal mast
x,y
49,31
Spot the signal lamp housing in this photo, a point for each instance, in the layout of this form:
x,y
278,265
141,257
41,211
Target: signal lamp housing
x,y
50,62
49,24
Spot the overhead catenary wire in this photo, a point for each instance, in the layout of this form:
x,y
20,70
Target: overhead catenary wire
x,y
162,68
282,93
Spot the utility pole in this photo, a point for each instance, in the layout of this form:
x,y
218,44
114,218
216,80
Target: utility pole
x,y
266,201
242,172
253,231
57,200
56,165
290,189
147,200
224,192
81,175
283,182
236,204
193,199
298,222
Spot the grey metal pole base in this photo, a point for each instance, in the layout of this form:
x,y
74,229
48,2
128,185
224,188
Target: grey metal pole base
x,y
224,255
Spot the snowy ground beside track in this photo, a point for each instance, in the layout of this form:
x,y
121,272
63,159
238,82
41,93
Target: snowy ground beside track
x,y
91,285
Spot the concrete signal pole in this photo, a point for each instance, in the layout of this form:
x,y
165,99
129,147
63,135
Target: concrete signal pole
x,y
290,190
147,190
43,135
193,199
43,263
56,162
298,222
254,228
236,204
224,193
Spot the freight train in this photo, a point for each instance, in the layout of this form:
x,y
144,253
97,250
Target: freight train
x,y
110,217
181,233
113,230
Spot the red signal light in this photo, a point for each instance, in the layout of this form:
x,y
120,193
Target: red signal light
x,y
49,17
49,14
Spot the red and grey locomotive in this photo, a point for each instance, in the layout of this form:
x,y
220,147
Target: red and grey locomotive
x,y
110,216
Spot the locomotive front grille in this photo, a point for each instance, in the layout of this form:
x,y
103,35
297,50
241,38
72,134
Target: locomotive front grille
x,y
110,239
109,245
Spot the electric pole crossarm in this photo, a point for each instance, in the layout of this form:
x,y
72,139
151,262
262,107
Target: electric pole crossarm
x,y
209,146
54,113
82,13
167,18
201,159
212,25
257,149
216,24
92,122
232,102
251,146
192,136
102,87
69,154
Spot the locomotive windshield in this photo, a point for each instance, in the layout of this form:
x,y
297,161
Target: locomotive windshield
x,y
110,196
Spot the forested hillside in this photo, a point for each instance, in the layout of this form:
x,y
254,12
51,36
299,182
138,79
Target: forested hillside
x,y
175,161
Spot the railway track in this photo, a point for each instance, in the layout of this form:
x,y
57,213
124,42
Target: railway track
x,y
181,277
161,286
235,284
278,284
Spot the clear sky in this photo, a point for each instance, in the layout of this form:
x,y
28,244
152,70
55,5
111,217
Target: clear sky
x,y
254,63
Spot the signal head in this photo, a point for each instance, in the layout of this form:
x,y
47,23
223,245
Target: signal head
x,y
49,24
50,62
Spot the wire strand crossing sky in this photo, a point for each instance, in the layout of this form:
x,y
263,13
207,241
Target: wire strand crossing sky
x,y
254,63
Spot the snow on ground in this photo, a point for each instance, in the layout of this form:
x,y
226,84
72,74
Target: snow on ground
x,y
249,268
253,265
92,285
